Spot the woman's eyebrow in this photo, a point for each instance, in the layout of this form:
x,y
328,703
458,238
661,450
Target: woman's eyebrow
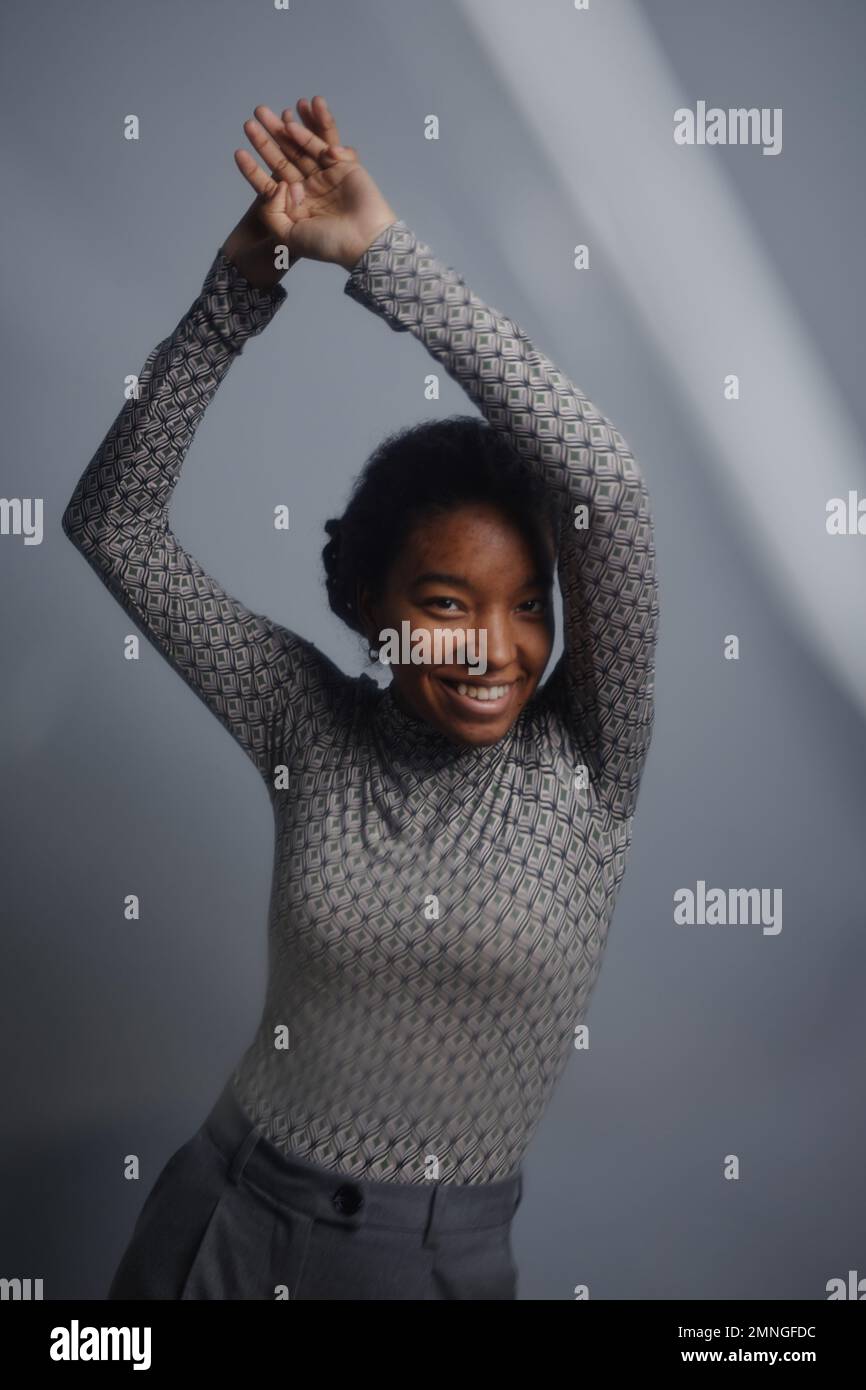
x,y
440,577
532,581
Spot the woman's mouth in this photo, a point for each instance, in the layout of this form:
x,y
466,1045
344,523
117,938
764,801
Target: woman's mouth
x,y
477,699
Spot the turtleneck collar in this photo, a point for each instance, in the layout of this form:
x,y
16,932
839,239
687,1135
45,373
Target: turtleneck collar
x,y
410,736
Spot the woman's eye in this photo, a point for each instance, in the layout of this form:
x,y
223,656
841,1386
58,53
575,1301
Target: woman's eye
x,y
542,604
440,602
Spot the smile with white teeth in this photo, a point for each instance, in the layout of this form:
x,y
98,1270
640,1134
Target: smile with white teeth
x,y
482,692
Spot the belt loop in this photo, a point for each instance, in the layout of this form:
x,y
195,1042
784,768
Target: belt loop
x,y
239,1162
437,1207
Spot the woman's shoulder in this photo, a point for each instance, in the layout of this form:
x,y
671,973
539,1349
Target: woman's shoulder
x,y
320,699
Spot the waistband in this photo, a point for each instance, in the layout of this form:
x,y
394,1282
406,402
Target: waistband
x,y
431,1207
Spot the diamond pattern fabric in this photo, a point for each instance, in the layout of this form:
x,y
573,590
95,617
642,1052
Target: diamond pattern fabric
x,y
438,913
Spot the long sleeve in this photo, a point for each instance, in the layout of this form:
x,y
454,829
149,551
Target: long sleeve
x,y
601,692
241,664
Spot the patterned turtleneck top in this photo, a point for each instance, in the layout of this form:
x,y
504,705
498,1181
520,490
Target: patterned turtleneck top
x,y
438,911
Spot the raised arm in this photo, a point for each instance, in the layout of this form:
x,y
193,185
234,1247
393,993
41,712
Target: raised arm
x,y
240,663
600,697
601,690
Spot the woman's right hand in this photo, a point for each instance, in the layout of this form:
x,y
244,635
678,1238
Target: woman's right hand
x,y
318,199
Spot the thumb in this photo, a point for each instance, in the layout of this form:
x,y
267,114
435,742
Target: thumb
x,y
278,209
287,198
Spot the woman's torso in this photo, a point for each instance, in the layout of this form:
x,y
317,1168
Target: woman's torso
x,y
436,927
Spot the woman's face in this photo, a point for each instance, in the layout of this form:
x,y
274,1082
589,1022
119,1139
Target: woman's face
x,y
471,568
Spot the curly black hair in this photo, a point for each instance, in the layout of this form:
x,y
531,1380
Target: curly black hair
x,y
418,471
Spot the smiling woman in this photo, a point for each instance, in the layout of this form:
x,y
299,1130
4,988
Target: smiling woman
x,y
447,526
449,850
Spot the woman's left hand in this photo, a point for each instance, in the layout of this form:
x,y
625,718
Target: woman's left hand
x,y
318,199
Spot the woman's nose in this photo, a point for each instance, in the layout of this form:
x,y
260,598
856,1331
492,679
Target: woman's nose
x,y
498,640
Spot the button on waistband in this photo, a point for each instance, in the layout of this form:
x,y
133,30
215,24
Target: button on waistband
x,y
348,1199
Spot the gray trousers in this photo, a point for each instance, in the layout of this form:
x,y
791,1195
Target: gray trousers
x,y
230,1216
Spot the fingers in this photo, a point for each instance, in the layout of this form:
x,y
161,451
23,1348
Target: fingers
x,y
265,186
255,175
317,117
311,144
274,154
277,130
291,150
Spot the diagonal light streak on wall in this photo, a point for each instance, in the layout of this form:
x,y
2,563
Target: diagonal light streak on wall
x,y
705,289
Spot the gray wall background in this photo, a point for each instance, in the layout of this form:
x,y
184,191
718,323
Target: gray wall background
x,y
705,1041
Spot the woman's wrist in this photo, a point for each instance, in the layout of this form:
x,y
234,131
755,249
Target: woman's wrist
x,y
365,240
257,267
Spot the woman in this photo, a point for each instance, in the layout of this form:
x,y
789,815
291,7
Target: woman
x,y
448,850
